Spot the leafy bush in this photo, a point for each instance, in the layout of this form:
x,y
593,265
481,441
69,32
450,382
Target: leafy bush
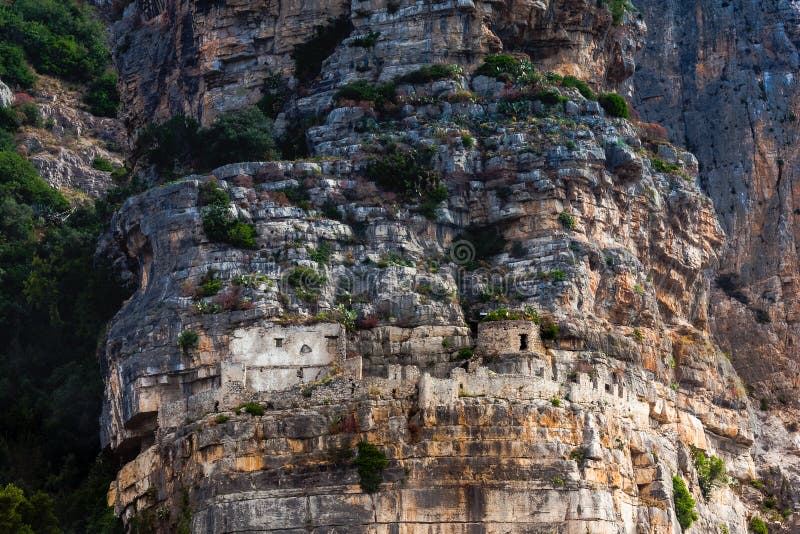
x,y
275,95
20,181
710,471
465,353
365,41
660,165
505,67
582,87
364,91
13,69
549,331
59,37
221,225
212,195
371,461
306,278
179,144
253,408
102,97
210,285
551,97
21,515
614,105
188,340
171,145
567,220
308,57
758,526
432,73
684,503
405,171
102,164
241,135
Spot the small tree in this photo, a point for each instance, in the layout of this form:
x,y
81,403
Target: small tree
x,y
188,340
242,135
684,503
371,461
614,105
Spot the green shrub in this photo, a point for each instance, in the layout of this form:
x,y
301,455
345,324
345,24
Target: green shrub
x,y
505,67
188,340
221,225
502,314
241,135
322,253
660,165
551,97
210,285
758,526
618,9
172,145
102,96
548,331
19,180
614,105
405,171
684,503
710,471
465,353
253,408
102,164
567,220
59,37
582,87
306,278
212,195
308,57
371,461
555,401
578,454
364,91
25,515
13,69
275,95
30,114
221,419
432,73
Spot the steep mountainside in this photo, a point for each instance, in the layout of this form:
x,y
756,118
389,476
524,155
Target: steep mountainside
x,y
481,304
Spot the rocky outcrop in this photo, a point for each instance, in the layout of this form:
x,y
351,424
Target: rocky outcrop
x,y
722,78
200,58
6,95
578,432
67,142
239,381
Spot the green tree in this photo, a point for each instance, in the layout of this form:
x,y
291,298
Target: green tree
x,y
242,135
684,503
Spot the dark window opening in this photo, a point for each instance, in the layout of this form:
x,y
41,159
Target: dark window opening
x,y
278,341
523,342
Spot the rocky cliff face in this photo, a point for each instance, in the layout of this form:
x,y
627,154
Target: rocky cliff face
x,y
200,58
357,316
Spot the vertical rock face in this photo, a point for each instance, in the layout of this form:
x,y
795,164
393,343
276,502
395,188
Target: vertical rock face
x,y
531,350
200,58
723,78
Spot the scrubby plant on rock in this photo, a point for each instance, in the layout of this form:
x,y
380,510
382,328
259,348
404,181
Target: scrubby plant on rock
x,y
371,461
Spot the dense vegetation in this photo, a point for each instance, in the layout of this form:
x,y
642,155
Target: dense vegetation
x,y
371,461
179,145
684,503
59,38
54,301
55,298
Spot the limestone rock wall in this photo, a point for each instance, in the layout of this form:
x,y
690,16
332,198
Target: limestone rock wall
x,y
200,58
581,431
